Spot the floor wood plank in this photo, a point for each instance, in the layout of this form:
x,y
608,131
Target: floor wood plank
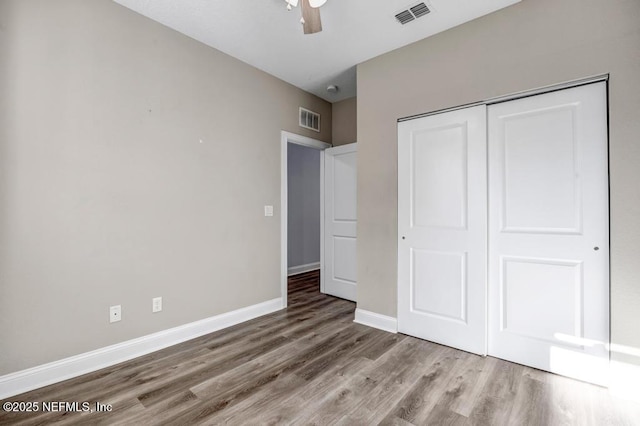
x,y
310,364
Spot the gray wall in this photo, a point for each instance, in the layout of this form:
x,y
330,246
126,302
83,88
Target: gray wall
x,y
528,45
344,120
107,195
303,200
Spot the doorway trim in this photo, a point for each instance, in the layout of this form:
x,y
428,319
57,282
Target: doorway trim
x,y
285,139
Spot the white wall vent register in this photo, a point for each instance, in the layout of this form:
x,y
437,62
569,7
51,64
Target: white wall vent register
x,y
309,119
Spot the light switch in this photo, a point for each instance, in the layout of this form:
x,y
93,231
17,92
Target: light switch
x,y
156,304
268,210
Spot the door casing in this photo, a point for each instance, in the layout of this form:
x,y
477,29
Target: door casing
x,y
285,139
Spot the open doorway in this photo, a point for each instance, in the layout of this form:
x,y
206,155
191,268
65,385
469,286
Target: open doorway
x,y
303,210
301,206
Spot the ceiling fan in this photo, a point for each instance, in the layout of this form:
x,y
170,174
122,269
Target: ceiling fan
x,y
310,14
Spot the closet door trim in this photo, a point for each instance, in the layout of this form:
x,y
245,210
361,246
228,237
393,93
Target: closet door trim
x,y
515,95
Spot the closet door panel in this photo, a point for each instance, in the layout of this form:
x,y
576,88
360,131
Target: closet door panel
x,y
548,232
442,228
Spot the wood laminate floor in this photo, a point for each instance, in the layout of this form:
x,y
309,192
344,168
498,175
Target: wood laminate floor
x,y
310,364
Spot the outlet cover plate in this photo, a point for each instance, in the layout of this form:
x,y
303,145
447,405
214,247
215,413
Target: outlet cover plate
x,y
115,313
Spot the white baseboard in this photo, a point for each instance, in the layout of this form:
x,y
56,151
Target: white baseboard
x,y
303,268
374,320
625,381
77,365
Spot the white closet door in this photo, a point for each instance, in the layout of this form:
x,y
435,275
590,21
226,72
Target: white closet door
x,y
442,227
548,232
339,276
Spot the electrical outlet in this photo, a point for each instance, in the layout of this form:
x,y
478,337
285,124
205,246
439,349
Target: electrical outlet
x,y
115,313
156,304
268,210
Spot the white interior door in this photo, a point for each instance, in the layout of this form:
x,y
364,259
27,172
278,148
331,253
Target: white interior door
x,y
442,227
339,276
548,232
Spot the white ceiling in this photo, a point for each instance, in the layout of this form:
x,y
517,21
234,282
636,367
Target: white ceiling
x,y
264,34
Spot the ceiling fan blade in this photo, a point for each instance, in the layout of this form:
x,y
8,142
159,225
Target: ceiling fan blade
x,y
311,17
317,3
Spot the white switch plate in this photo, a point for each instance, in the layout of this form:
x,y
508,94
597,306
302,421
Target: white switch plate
x,y
156,303
115,313
268,210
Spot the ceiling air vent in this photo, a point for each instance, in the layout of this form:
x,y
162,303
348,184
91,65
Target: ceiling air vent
x,y
420,10
404,17
412,13
309,119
